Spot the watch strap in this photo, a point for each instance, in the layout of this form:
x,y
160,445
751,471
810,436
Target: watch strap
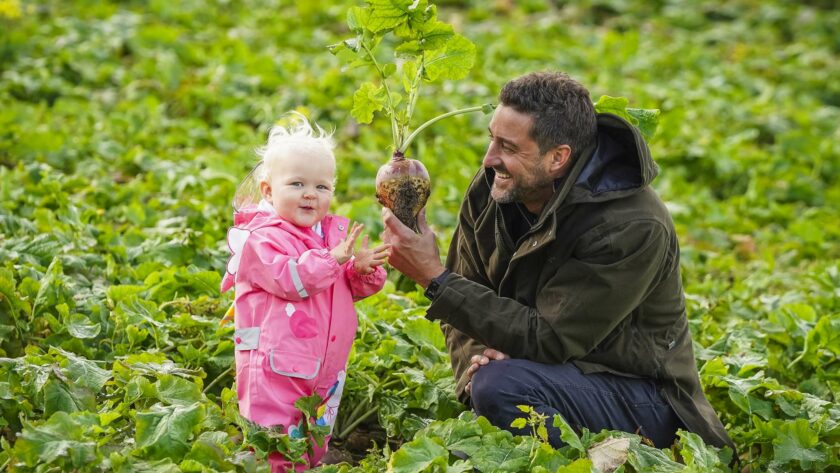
x,y
434,285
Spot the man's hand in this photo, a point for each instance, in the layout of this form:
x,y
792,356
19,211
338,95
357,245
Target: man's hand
x,y
416,256
480,360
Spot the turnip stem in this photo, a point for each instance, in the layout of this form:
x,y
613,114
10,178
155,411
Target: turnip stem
x,y
422,127
412,99
394,131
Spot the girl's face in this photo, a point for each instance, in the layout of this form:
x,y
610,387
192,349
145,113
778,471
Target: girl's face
x,y
300,187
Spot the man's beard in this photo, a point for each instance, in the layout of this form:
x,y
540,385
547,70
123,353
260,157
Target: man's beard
x,y
521,191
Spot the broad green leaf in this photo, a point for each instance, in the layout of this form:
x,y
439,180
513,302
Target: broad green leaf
x,y
83,372
581,465
567,434
122,292
647,120
367,100
499,452
80,326
51,288
210,450
644,458
548,458
178,391
826,334
164,431
357,19
462,435
385,14
433,36
740,390
519,423
696,453
615,106
795,441
423,332
60,397
452,62
418,456
62,437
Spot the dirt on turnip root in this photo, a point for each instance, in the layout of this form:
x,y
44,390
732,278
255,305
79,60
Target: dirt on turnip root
x,y
405,196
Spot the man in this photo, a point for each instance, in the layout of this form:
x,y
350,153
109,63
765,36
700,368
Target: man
x,y
562,285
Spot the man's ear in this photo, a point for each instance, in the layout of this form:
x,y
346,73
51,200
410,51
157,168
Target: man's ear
x,y
561,156
265,190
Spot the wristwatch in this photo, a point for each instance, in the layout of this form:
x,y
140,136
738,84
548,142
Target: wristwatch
x,y
431,290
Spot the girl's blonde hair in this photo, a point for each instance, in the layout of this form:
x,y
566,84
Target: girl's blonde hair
x,y
299,138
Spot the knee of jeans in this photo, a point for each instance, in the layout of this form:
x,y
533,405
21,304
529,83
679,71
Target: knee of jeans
x,y
490,386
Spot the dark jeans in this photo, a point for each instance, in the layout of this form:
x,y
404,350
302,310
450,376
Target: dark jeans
x,y
595,401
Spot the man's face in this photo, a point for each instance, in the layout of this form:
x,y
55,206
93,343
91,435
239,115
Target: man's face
x,y
523,174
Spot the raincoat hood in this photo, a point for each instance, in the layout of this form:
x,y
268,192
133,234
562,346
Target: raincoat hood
x,y
620,164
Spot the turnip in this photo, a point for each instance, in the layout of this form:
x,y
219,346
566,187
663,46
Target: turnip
x,y
425,49
403,185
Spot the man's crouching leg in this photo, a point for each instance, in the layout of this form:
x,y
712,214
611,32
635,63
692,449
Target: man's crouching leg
x,y
596,401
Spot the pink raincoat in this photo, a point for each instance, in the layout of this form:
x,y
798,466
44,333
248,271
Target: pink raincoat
x,y
295,320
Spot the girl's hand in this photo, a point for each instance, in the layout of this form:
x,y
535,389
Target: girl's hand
x,y
367,259
344,250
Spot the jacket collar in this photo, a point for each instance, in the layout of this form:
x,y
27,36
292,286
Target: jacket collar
x,y
618,165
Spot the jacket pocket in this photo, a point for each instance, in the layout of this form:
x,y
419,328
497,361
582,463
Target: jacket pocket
x,y
247,338
294,365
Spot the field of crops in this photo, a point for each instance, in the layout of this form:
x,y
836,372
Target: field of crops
x,y
125,127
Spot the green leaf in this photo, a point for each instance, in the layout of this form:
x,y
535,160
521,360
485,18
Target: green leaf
x,y
177,391
80,326
385,14
455,434
62,437
499,452
696,453
434,35
367,100
567,434
453,61
826,334
518,423
796,441
164,431
51,288
357,19
542,433
615,106
646,120
418,456
84,372
60,397
644,458
581,465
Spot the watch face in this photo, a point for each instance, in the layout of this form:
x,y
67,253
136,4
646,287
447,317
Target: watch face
x,y
431,290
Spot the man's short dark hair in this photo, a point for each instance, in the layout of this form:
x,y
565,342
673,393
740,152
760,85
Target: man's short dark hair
x,y
562,110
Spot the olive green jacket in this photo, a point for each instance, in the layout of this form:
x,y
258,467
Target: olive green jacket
x,y
595,281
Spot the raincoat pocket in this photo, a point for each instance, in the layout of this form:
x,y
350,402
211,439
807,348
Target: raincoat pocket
x,y
294,365
247,338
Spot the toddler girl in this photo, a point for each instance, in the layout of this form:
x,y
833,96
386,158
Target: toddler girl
x,y
296,277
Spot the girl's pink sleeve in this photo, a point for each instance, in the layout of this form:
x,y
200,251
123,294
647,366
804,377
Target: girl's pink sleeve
x,y
266,264
363,285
